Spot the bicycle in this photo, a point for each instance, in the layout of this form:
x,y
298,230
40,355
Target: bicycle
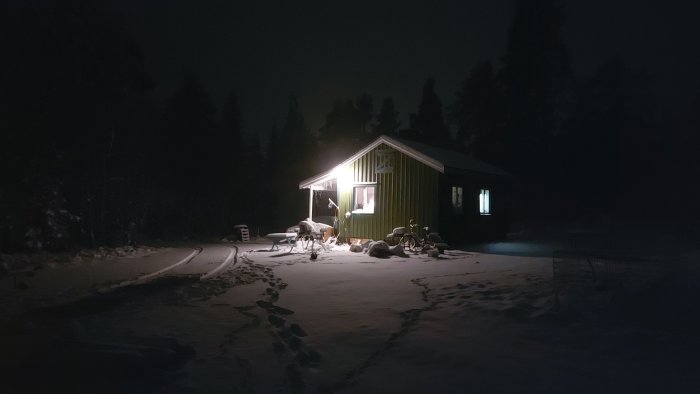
x,y
416,238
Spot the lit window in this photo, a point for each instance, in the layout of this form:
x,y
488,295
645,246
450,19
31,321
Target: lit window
x,y
363,199
457,199
484,202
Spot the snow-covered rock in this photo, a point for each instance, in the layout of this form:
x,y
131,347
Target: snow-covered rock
x,y
397,250
378,249
356,248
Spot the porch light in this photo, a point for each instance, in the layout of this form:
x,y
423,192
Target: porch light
x,y
344,177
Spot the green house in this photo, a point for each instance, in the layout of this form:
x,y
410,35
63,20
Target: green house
x,y
391,180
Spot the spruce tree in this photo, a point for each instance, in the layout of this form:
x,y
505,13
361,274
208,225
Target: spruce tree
x,y
429,122
296,150
232,124
190,162
387,122
478,114
538,84
364,113
230,161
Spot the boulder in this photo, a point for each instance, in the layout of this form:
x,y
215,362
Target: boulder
x,y
398,231
441,247
435,238
356,248
397,250
378,249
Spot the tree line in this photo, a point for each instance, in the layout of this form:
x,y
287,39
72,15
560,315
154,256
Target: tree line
x,y
90,157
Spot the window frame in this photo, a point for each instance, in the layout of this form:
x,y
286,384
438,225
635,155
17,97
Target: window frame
x,y
354,198
457,209
485,202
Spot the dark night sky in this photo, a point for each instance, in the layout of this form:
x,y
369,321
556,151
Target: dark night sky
x,y
327,50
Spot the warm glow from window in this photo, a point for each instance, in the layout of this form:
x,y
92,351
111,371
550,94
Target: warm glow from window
x,y
457,193
363,199
484,202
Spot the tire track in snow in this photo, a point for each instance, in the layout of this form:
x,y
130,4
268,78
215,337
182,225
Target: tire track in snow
x,y
232,255
145,278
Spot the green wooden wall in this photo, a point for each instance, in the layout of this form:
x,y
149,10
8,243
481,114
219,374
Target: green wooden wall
x,y
410,190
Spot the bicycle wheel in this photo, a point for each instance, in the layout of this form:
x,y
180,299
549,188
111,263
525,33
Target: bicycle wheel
x,y
405,241
413,244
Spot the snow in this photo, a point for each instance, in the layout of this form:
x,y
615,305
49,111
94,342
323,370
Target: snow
x,y
276,321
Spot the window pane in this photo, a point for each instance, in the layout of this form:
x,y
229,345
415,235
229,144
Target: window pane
x,y
487,202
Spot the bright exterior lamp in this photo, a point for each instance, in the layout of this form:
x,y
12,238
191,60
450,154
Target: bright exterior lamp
x,y
344,175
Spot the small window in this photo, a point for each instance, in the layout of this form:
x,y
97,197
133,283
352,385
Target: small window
x,y
457,199
363,199
484,202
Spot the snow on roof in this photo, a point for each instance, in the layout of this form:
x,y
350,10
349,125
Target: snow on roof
x,y
442,160
453,160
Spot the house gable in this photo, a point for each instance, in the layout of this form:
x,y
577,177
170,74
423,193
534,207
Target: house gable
x,y
382,140
405,188
441,160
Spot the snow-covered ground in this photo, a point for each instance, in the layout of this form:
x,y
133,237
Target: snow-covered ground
x,y
277,321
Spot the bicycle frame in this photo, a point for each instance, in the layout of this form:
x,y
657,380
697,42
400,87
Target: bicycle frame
x,y
416,238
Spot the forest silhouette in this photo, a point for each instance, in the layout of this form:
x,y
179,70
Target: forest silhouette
x,y
89,155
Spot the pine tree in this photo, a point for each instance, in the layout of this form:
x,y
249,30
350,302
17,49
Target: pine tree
x,y
190,162
231,122
364,113
68,109
339,123
478,114
616,145
348,122
230,161
252,189
429,122
387,122
348,126
538,84
271,192
295,152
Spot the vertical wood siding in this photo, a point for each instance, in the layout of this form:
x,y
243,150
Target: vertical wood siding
x,y
410,191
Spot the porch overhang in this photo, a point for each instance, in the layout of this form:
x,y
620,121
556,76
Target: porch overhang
x,y
325,181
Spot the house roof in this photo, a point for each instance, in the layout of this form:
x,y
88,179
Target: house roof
x,y
442,160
